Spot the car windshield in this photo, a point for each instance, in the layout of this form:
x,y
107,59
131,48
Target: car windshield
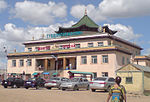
x,y
10,79
74,79
54,78
100,78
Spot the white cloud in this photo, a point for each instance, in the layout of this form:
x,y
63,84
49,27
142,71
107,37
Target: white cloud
x,y
12,37
113,9
39,13
147,52
125,32
3,5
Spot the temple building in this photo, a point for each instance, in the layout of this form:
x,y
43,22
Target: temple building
x,y
82,49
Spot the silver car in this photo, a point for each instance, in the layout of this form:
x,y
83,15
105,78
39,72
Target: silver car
x,y
55,82
101,83
75,84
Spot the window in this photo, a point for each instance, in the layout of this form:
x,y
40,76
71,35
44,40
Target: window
x,y
104,74
123,60
77,45
29,62
14,63
21,63
100,44
111,79
94,59
105,58
29,49
84,60
90,44
128,61
129,80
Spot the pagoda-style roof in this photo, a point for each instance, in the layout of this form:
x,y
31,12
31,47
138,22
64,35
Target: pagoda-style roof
x,y
85,20
84,24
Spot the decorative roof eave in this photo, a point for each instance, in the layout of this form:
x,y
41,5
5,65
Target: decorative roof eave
x,y
142,58
69,51
80,28
85,38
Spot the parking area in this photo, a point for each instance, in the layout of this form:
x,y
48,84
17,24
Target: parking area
x,y
55,95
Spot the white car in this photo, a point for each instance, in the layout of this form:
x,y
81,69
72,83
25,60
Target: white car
x,y
101,83
55,82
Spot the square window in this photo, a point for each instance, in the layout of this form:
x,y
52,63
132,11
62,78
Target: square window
x,y
84,60
90,44
100,43
21,63
104,74
29,62
77,45
13,63
105,58
129,80
29,49
94,59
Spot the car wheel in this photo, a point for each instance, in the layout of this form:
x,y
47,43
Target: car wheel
x,y
37,87
93,90
5,86
75,88
49,88
14,86
88,87
26,87
63,89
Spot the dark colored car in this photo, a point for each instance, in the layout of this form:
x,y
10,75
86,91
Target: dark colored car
x,y
34,83
13,82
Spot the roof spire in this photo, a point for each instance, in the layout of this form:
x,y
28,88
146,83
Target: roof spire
x,y
85,12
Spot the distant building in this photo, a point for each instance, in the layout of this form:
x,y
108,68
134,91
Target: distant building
x,y
85,46
135,78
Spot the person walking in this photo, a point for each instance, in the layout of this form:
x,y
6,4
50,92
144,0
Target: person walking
x,y
117,92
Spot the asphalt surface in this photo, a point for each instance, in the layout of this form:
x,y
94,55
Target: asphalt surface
x,y
55,95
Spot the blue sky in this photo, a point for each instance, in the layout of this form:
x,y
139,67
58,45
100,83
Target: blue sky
x,y
20,20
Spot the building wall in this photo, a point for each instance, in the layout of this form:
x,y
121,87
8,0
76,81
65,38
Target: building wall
x,y
100,66
18,69
119,57
136,86
146,80
140,62
84,43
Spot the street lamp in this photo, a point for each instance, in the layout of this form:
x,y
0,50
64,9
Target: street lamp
x,y
56,59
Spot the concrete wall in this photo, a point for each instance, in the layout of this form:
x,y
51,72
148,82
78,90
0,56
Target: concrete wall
x,y
136,86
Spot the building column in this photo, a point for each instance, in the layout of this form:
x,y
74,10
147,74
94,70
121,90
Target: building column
x,y
46,64
64,63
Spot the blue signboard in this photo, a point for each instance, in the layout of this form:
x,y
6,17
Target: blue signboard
x,y
63,34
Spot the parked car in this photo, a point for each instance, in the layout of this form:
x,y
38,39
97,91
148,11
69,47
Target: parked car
x,y
75,84
101,83
34,83
13,82
55,82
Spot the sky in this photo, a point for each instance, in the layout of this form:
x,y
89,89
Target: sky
x,y
20,20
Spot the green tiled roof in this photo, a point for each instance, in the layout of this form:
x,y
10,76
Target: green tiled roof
x,y
85,20
78,72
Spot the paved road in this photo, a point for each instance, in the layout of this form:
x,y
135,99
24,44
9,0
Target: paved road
x,y
54,95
